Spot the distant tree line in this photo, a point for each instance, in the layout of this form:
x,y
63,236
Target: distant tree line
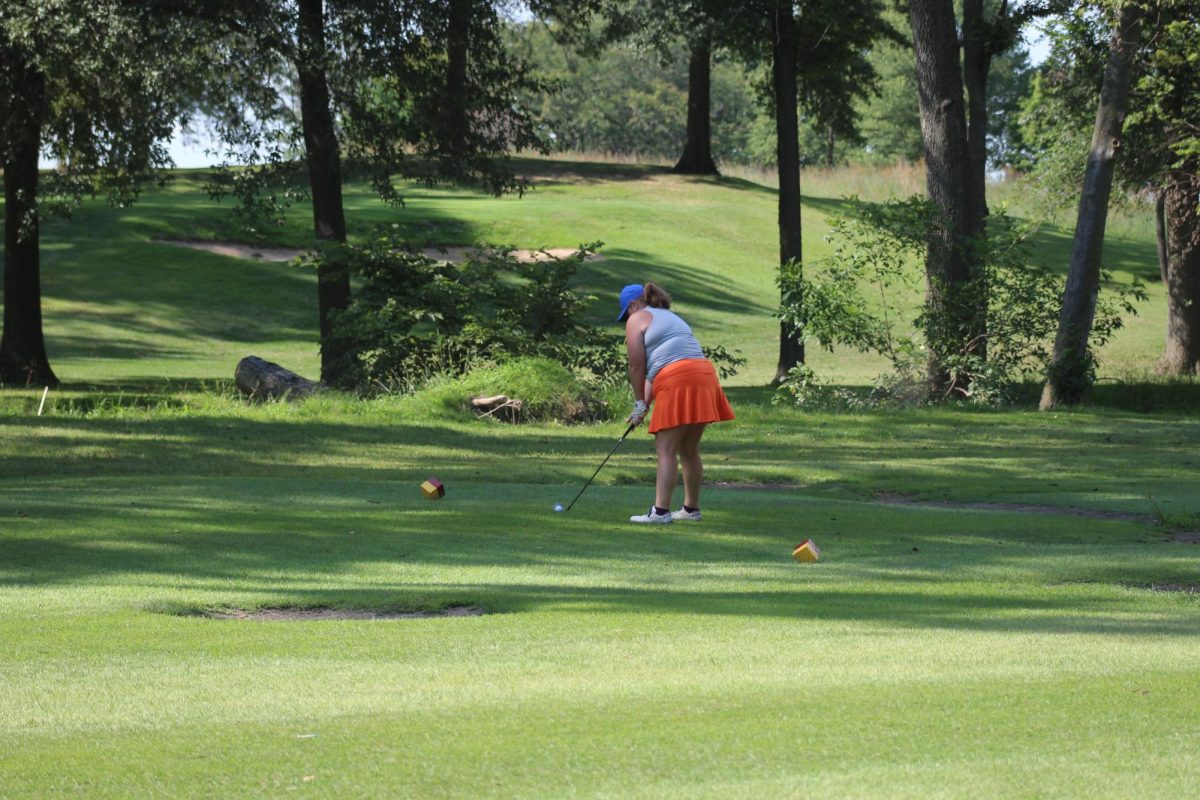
x,y
630,98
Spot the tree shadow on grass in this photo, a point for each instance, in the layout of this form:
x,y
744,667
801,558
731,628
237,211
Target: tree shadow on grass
x,y
1166,395
196,557
928,449
690,287
554,172
1049,247
111,347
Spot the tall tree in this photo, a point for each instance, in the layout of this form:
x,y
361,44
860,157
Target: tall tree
x,y
1166,145
23,359
697,156
952,92
1181,355
817,50
784,62
1071,369
459,17
323,153
395,88
944,131
662,25
70,71
1159,152
891,122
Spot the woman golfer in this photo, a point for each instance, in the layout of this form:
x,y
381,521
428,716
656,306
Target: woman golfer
x,y
667,368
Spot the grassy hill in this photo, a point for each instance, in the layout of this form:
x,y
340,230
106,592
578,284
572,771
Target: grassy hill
x,y
122,309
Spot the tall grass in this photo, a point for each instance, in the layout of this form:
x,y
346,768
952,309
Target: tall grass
x,y
601,157
875,182
869,182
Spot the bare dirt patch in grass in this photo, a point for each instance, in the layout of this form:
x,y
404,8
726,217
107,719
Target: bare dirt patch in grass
x,y
1187,537
286,614
774,487
1180,588
453,253
1025,508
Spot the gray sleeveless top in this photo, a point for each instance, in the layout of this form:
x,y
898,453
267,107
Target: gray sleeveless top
x,y
668,339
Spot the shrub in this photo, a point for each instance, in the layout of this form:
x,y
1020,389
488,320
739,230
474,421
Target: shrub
x,y
851,299
413,317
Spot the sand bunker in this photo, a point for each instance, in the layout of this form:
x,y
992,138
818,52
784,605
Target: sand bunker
x,y
237,249
453,253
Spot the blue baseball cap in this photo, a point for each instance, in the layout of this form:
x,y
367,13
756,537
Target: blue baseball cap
x,y
633,291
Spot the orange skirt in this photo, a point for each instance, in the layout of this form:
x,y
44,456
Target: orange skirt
x,y
687,392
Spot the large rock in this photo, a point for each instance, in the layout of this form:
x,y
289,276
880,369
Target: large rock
x,y
259,379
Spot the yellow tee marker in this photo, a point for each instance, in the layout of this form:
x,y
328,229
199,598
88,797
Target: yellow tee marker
x,y
807,551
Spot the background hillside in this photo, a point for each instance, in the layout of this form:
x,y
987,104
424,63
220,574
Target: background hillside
x,y
123,308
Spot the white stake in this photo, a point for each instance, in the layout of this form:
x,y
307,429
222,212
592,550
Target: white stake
x,y
43,403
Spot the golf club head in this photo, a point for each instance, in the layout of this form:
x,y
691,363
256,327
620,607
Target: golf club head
x,y
628,431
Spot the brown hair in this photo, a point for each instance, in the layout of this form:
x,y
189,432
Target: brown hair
x,y
655,296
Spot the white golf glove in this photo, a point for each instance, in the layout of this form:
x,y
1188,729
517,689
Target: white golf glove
x,y
639,413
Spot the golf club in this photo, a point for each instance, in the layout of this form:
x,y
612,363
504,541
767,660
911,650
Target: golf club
x,y
602,463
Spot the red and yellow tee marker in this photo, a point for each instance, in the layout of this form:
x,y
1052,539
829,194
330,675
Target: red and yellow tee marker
x,y
433,489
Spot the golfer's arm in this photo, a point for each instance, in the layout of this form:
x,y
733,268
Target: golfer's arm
x,y
637,360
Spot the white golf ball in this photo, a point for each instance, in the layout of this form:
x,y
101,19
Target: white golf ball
x,y
558,507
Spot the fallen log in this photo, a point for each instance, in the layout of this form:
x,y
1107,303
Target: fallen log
x,y
498,406
259,379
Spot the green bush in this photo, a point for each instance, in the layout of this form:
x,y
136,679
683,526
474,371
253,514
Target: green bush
x,y
413,317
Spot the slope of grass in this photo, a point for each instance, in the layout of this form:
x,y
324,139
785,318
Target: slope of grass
x,y
122,309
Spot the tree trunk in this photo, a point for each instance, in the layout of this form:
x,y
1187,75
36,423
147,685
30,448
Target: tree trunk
x,y
1071,369
977,63
952,312
787,131
1182,356
830,141
23,360
697,150
325,179
1160,233
454,108
977,60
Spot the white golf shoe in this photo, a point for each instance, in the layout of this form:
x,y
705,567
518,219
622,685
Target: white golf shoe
x,y
683,515
651,518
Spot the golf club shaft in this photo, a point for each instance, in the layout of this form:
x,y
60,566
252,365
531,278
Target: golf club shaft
x,y
602,463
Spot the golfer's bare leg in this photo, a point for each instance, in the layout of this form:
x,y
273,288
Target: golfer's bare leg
x,y
693,467
666,442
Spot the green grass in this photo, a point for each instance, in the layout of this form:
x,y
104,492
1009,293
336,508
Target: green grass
x,y
122,309
940,649
934,652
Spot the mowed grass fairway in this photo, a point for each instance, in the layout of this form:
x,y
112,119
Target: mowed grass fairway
x,y
984,638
